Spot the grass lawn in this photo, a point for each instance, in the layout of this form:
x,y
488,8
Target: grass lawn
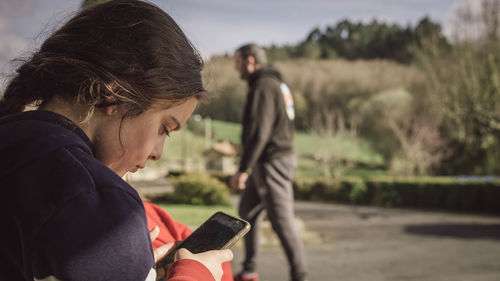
x,y
182,145
194,215
339,146
345,147
317,146
188,145
227,131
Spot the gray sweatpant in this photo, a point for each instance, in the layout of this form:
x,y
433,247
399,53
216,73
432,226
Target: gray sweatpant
x,y
269,188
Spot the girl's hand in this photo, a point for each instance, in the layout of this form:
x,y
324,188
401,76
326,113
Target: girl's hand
x,y
160,252
212,260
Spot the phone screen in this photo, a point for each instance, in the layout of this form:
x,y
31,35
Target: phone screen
x,y
218,232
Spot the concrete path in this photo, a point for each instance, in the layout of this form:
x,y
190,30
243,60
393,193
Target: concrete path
x,y
349,243
375,244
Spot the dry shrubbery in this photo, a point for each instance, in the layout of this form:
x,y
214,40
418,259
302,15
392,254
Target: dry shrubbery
x,y
327,93
335,97
228,91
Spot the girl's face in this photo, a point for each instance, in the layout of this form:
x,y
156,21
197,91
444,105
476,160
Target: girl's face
x,y
142,137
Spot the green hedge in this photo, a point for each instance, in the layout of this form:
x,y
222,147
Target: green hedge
x,y
198,189
422,192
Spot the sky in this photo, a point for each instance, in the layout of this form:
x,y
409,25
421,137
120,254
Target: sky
x,y
220,26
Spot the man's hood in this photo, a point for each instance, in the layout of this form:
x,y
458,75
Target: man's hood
x,y
266,71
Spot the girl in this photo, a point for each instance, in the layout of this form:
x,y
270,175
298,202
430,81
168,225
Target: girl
x,y
109,85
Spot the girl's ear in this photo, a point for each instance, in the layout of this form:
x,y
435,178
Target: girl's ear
x,y
112,106
111,110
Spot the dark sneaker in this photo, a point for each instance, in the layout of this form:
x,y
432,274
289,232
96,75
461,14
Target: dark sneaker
x,y
246,277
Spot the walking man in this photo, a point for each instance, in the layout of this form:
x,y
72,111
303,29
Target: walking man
x,y
267,146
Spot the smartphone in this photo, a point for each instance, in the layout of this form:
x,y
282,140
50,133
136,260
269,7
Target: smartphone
x,y
220,231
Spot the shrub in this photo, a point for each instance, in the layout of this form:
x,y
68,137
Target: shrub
x,y
357,191
348,190
432,192
199,189
421,192
325,190
302,188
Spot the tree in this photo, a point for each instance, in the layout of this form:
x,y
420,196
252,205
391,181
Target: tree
x,y
308,50
357,40
464,86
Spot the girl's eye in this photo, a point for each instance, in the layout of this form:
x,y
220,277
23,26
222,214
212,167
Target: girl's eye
x,y
165,131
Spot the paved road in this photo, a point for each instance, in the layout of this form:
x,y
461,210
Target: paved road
x,y
375,244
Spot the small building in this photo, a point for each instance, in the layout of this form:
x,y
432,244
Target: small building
x,y
221,157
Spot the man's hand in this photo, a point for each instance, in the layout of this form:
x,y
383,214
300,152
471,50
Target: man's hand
x,y
239,181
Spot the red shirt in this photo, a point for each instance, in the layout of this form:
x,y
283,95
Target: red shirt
x,y
170,231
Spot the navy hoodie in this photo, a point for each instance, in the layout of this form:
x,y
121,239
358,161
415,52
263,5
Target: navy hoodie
x,y
65,215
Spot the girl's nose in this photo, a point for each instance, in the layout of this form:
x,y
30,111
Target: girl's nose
x,y
157,150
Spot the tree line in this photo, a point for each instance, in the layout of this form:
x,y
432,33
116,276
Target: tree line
x,y
356,40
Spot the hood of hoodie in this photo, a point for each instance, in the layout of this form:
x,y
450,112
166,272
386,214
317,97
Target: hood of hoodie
x,y
266,71
30,135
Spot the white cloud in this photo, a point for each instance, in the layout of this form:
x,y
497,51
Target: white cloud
x,y
465,20
12,45
14,8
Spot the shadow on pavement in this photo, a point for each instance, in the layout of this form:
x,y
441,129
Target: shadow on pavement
x,y
465,231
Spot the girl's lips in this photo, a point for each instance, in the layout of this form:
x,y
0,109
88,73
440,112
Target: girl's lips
x,y
136,168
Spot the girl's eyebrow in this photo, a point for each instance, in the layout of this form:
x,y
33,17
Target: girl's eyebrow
x,y
177,123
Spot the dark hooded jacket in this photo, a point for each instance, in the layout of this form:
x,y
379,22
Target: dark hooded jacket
x,y
268,126
64,213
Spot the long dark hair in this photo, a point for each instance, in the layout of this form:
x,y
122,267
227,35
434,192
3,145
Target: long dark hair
x,y
127,50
